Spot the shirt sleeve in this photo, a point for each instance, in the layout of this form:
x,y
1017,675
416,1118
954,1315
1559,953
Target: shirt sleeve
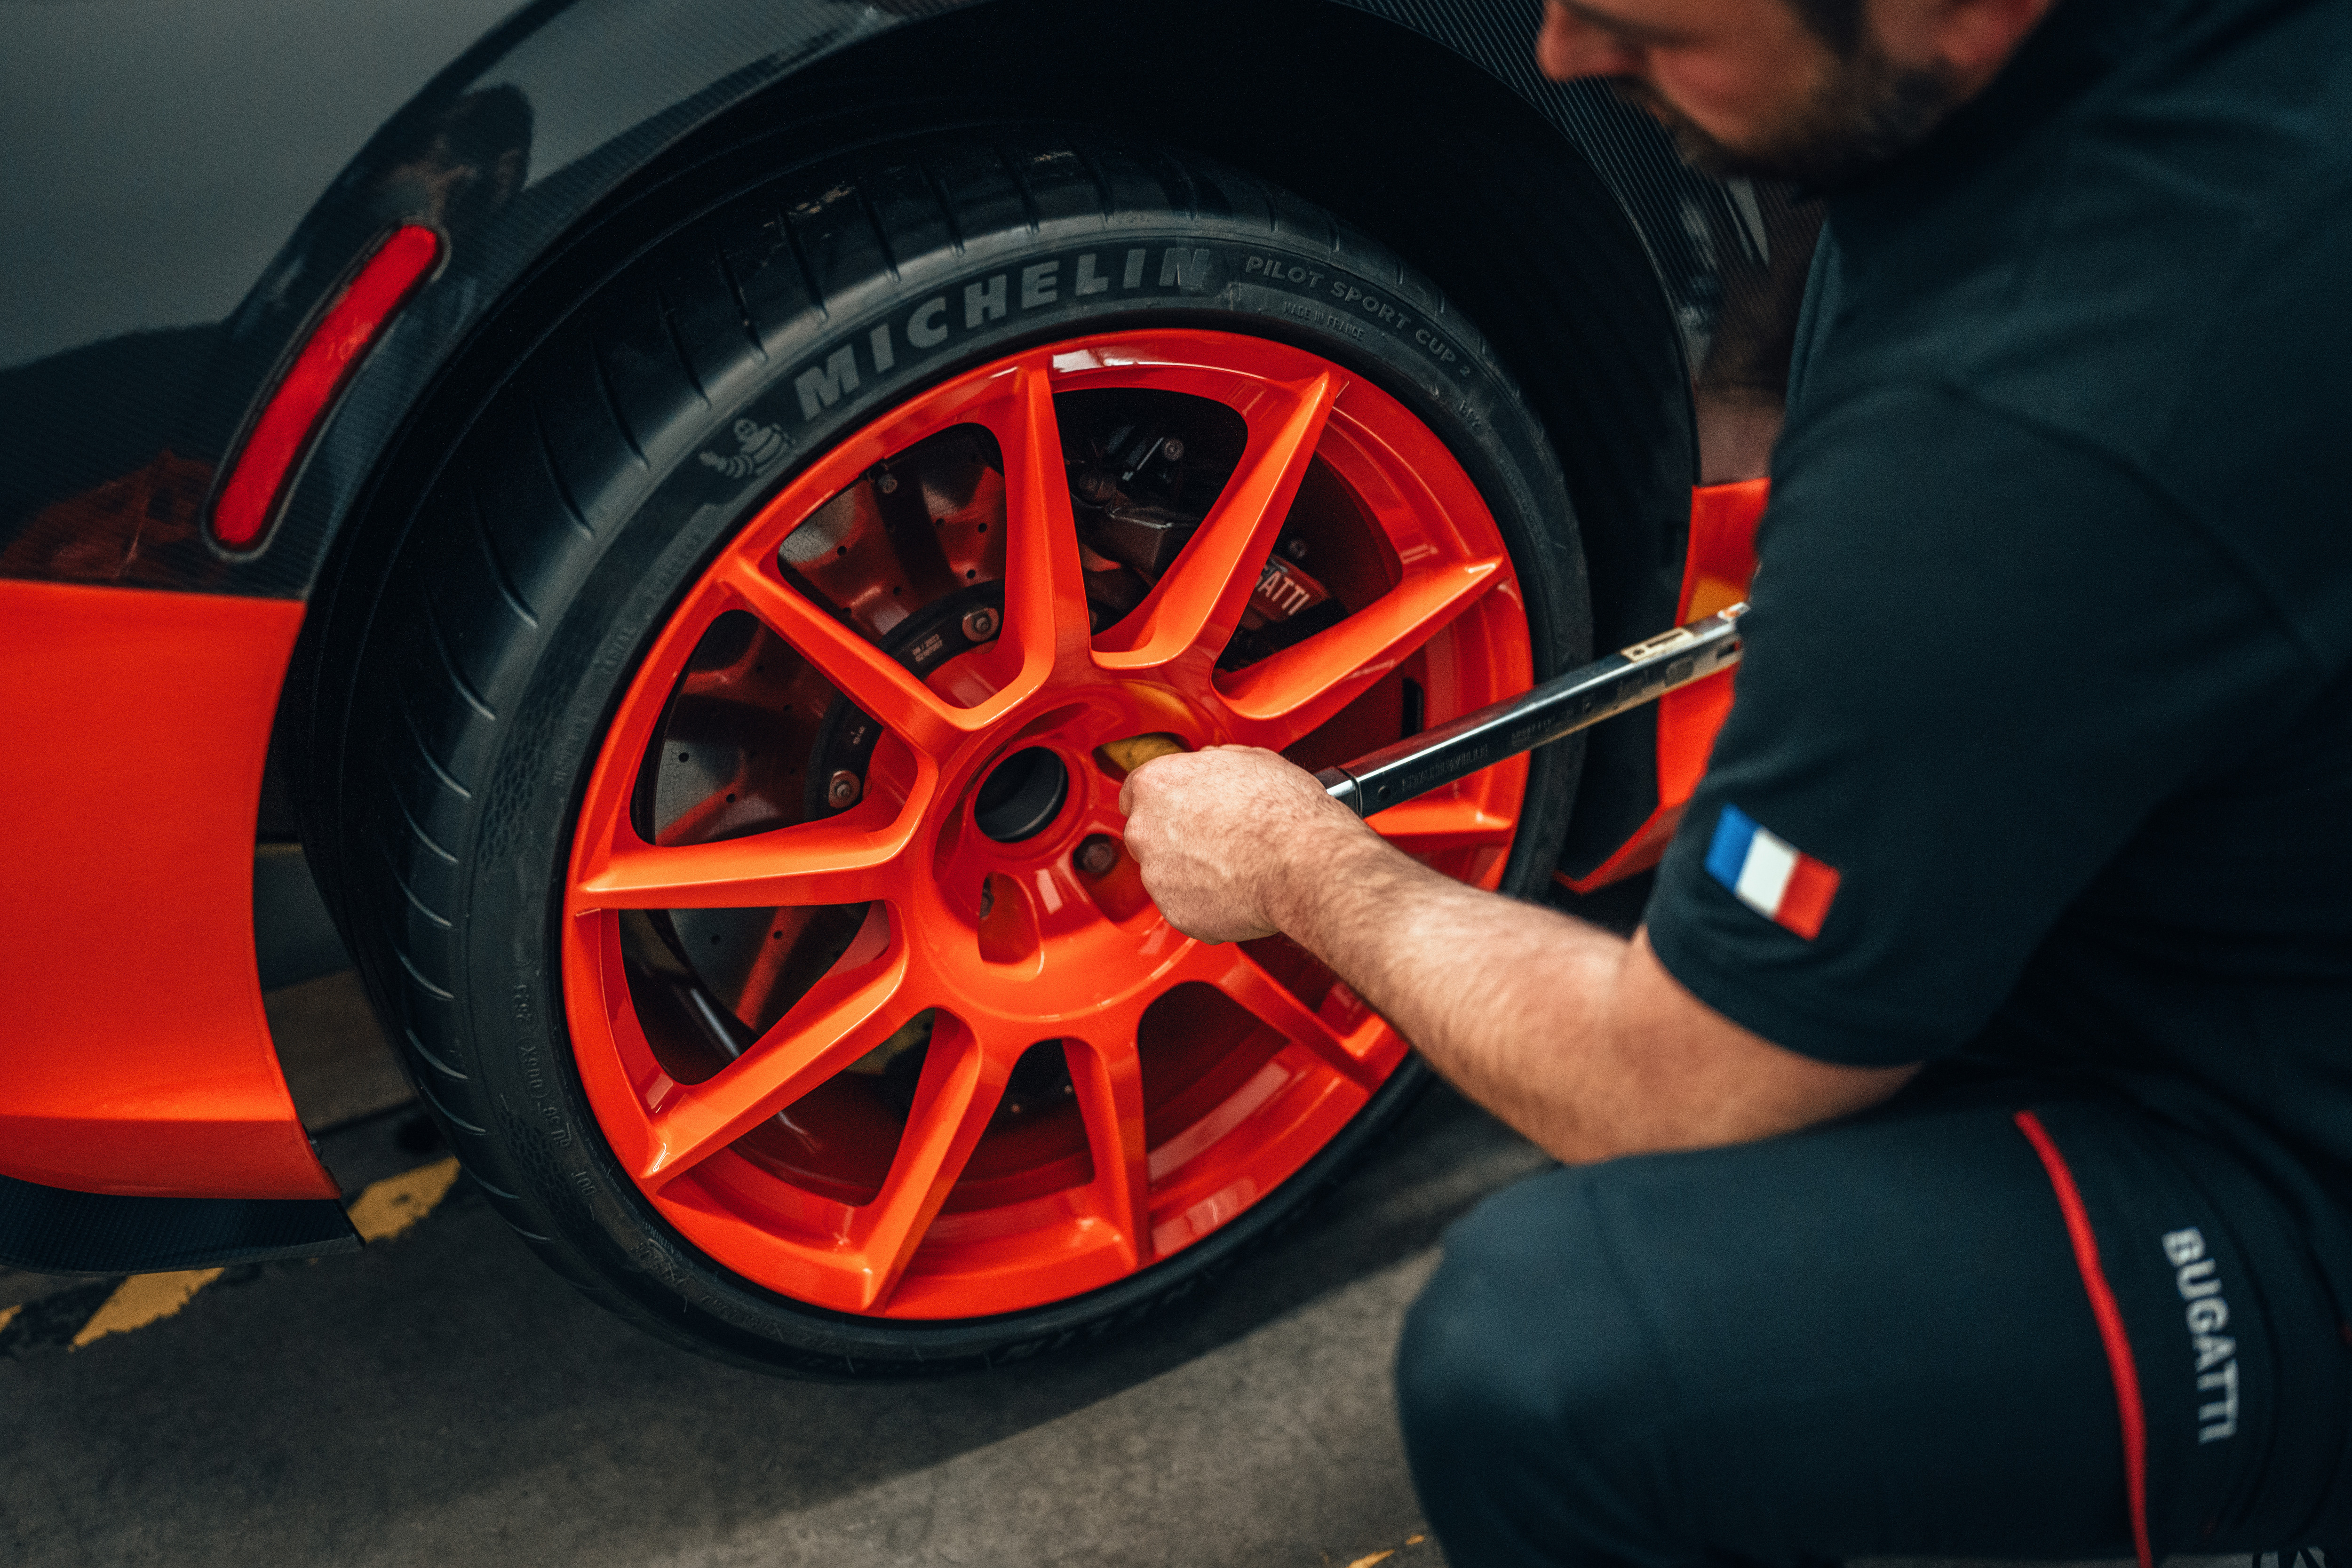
x,y
1978,657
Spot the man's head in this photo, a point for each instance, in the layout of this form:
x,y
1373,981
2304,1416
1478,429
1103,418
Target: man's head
x,y
1813,90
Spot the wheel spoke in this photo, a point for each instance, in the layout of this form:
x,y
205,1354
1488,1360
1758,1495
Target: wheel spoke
x,y
1044,583
1196,607
843,1017
605,810
953,1101
1435,824
1274,701
1247,983
840,860
871,678
1108,1077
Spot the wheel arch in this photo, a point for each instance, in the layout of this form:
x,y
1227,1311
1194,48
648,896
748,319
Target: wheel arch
x,y
1514,202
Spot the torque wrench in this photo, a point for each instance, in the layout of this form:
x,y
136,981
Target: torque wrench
x,y
1559,707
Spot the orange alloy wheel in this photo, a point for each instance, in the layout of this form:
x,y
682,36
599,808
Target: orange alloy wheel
x,y
864,788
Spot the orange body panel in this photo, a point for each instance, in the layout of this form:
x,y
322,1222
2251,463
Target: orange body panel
x,y
1716,575
134,1057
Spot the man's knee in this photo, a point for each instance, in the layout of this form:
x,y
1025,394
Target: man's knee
x,y
1530,1402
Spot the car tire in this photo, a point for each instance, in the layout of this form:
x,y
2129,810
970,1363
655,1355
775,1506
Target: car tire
x,y
545,677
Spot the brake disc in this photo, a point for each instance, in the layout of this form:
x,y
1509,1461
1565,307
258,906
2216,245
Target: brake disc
x,y
944,629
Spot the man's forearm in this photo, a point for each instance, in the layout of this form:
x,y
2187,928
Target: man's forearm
x,y
1508,1000
1580,1040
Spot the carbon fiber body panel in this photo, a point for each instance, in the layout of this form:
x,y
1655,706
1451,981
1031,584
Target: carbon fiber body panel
x,y
51,1231
182,190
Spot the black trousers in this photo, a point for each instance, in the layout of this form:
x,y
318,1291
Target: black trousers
x,y
1989,1323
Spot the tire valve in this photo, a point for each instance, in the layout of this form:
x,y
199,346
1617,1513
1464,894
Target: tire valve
x,y
1096,854
842,790
980,624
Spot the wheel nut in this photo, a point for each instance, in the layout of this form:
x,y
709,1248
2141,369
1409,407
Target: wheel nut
x,y
1096,855
842,790
980,624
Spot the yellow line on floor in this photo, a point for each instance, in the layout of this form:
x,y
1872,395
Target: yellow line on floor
x,y
144,1299
8,1313
383,1209
1383,1556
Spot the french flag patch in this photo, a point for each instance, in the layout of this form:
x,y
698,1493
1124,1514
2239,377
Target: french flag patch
x,y
1770,875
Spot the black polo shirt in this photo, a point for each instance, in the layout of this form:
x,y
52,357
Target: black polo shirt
x,y
2043,739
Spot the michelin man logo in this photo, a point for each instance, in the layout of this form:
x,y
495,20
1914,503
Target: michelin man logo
x,y
762,449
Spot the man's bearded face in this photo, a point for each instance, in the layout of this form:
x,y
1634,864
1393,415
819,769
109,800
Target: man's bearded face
x,y
1864,112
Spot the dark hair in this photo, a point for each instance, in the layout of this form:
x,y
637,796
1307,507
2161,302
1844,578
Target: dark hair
x,y
1837,23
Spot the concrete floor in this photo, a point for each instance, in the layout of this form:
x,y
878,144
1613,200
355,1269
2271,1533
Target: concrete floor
x,y
442,1398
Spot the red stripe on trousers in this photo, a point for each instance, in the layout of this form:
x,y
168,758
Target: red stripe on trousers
x,y
2120,1365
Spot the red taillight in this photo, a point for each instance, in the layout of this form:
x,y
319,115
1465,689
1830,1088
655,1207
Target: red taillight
x,y
258,472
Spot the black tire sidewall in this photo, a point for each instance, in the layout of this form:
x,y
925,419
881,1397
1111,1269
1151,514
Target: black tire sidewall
x,y
1338,297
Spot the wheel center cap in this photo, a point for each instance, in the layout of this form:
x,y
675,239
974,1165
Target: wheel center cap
x,y
1023,794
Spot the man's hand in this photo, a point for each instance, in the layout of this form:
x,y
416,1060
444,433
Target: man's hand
x,y
1217,832
1579,1038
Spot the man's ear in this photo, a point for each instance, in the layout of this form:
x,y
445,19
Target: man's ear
x,y
1971,40
1570,45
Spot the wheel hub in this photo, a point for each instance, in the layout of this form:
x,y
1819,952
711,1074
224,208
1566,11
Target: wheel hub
x,y
1021,796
